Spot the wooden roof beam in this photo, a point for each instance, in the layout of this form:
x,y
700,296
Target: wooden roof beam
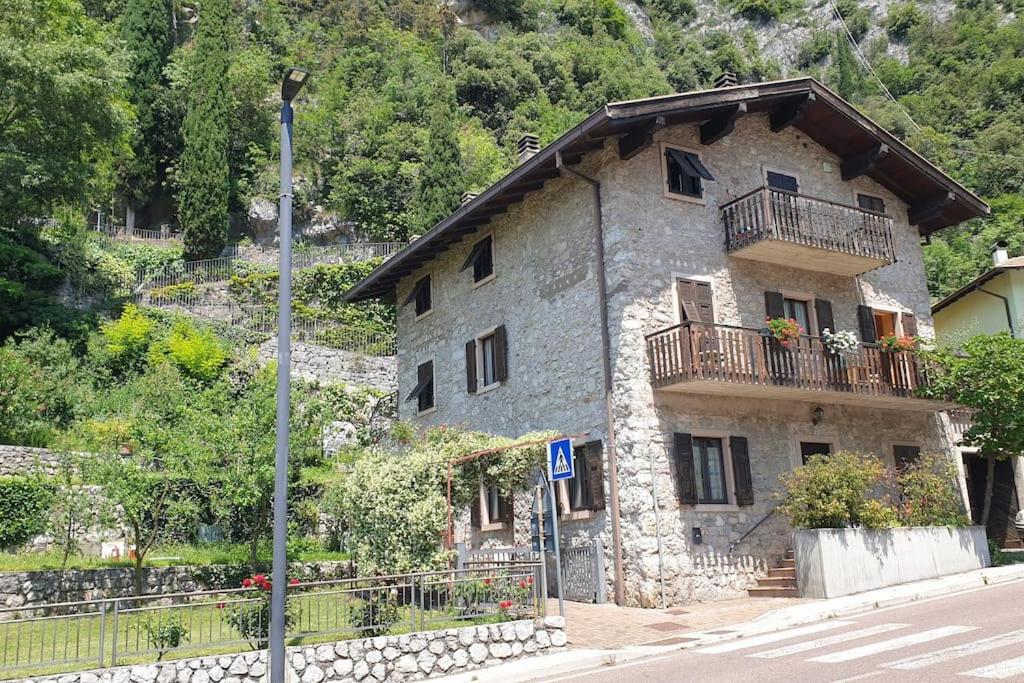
x,y
722,124
859,164
928,209
640,138
790,112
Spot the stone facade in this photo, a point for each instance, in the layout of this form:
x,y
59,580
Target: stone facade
x,y
412,657
336,365
545,293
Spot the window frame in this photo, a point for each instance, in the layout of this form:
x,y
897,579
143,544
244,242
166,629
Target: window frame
x,y
433,387
478,339
781,171
891,456
485,508
809,300
490,276
430,296
676,305
692,199
857,194
728,472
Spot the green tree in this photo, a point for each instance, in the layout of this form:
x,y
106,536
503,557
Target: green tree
x,y
847,76
987,376
146,31
203,179
441,182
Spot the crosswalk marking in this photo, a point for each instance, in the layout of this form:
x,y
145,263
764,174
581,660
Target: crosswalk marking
x,y
957,651
755,641
829,640
894,644
1011,668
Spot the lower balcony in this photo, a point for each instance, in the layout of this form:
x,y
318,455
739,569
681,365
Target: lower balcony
x,y
701,358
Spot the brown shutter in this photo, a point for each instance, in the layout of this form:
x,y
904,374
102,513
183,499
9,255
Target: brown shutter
x,y
474,511
741,470
909,324
705,303
686,480
500,354
866,322
774,305
823,311
471,366
595,474
686,291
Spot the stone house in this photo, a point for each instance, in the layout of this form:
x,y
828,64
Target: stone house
x,y
615,285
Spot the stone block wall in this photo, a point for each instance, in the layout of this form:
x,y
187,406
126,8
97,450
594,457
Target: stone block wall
x,y
412,657
335,365
17,460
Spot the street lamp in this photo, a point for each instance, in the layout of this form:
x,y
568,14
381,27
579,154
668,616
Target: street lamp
x,y
294,79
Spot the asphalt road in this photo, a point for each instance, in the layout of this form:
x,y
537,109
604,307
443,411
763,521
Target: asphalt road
x,y
977,635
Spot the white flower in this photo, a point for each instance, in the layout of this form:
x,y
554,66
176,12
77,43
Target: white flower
x,y
843,341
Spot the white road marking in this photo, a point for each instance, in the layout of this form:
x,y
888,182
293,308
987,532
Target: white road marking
x,y
894,644
755,641
827,641
860,677
1011,668
957,651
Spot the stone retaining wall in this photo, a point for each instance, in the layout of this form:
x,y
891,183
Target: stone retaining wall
x,y
410,657
336,365
15,460
29,589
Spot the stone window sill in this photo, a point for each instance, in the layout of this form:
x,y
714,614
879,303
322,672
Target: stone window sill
x,y
498,526
577,515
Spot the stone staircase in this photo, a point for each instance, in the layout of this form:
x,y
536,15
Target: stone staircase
x,y
780,582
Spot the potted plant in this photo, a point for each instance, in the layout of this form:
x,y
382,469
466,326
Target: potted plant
x,y
785,330
894,343
841,342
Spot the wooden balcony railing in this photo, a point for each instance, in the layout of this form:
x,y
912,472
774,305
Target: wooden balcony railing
x,y
767,213
700,352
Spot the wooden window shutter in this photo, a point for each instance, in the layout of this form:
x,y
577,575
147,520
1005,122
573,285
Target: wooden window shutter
x,y
695,301
500,354
705,303
774,305
505,508
595,474
909,324
474,512
471,366
686,480
742,479
866,322
823,311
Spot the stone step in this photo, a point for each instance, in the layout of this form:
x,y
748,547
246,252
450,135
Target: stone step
x,y
773,593
782,573
790,555
776,582
787,564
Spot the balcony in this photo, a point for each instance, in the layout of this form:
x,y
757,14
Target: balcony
x,y
789,229
701,358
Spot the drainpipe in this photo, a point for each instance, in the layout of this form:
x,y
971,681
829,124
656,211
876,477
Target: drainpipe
x,y
602,295
1006,306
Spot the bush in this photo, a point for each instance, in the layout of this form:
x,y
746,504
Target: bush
x,y
835,491
199,354
857,18
902,18
129,336
929,493
375,615
762,10
24,507
815,50
164,634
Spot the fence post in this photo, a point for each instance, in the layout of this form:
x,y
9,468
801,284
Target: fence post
x,y
597,557
461,555
113,640
423,607
412,602
103,631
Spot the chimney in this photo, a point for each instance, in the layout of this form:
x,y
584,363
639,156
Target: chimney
x,y
467,197
999,254
528,147
726,80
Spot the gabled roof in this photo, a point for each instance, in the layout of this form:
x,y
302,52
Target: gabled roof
x,y
936,201
1007,265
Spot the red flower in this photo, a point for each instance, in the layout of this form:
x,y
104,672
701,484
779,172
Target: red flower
x,y
529,580
522,584
246,583
221,605
293,582
259,578
266,585
505,604
487,582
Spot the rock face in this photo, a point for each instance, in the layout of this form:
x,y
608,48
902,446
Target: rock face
x,y
262,215
386,658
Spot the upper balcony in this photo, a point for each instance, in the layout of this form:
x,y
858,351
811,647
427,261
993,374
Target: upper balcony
x,y
701,358
776,226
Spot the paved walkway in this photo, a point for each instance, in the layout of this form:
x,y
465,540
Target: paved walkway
x,y
609,627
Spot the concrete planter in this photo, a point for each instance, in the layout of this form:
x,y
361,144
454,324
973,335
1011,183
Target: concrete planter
x,y
835,562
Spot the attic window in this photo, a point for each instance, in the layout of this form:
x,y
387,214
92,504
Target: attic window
x,y
870,203
421,295
685,173
481,258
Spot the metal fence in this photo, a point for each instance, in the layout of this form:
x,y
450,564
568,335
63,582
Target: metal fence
x,y
69,636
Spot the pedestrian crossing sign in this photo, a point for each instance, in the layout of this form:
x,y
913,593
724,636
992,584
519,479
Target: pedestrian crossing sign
x,y
560,465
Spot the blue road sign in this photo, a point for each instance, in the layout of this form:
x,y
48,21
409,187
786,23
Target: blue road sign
x,y
560,460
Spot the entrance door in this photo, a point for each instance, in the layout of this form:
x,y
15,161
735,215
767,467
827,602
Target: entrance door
x,y
1004,500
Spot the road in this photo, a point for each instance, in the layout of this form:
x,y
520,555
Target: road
x,y
978,635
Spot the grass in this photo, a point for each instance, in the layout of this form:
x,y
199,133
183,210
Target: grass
x,y
162,556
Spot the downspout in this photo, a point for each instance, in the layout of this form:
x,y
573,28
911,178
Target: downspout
x,y
606,361
1006,305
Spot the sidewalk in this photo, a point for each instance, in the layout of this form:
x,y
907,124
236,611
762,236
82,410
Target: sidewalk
x,y
804,612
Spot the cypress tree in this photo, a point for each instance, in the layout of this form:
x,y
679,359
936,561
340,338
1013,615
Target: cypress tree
x,y
441,180
146,29
203,179
848,77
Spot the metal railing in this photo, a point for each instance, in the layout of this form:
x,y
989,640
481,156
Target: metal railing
x,y
117,232
706,352
768,213
77,635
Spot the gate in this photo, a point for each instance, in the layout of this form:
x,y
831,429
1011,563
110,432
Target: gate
x,y
583,572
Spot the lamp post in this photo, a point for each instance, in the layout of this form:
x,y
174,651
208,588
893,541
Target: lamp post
x,y
294,79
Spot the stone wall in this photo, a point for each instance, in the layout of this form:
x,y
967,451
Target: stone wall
x,y
335,365
385,658
39,588
17,460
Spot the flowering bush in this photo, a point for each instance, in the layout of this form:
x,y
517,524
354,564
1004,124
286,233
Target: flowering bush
x,y
251,617
841,342
898,343
375,615
786,330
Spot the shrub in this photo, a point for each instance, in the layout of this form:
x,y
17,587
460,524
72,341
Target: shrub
x,y
815,50
199,354
834,491
164,633
170,293
250,616
24,505
902,18
129,336
929,494
762,10
375,615
857,18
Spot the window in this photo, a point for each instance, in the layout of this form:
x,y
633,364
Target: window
x,y
695,301
481,259
869,203
579,491
709,469
809,448
492,508
782,181
876,324
487,360
798,310
423,394
905,455
421,295
685,173
885,324
703,469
